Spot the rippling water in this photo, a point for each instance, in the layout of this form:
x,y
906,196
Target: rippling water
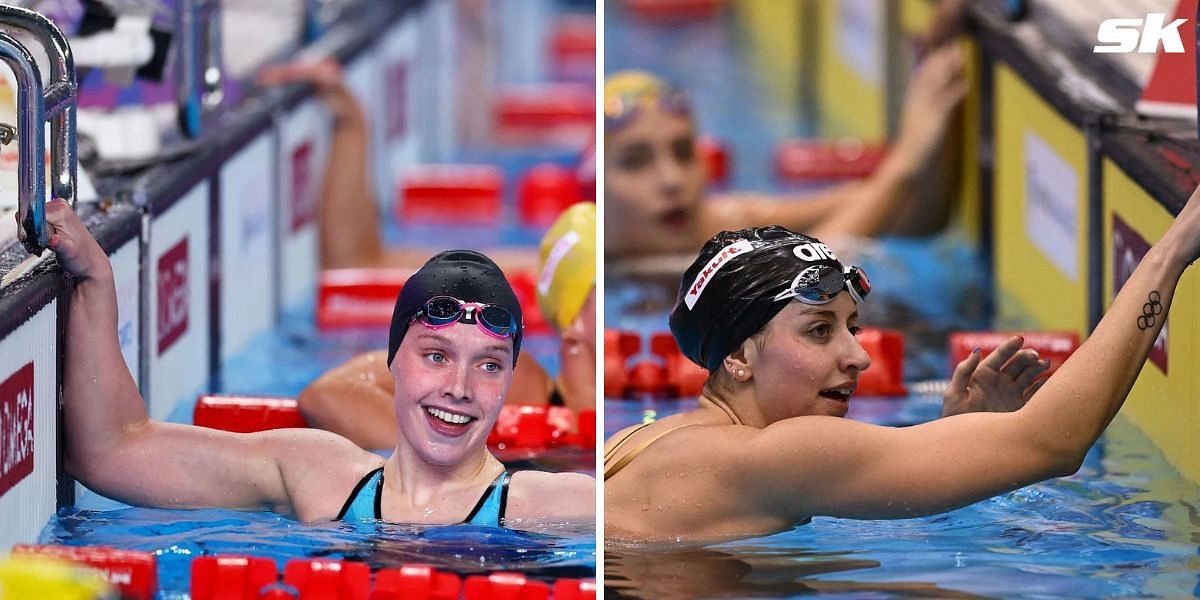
x,y
549,550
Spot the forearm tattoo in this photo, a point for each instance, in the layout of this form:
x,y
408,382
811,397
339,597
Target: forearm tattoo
x,y
1150,310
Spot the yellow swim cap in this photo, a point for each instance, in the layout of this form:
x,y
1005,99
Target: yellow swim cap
x,y
48,578
567,264
625,91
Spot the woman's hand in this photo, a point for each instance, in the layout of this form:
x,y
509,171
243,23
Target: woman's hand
x,y
1003,382
77,250
325,75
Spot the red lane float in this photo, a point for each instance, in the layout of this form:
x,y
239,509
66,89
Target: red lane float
x,y
358,297
524,285
348,298
544,192
328,579
559,113
886,375
540,427
673,375
247,414
821,160
681,376
134,574
415,582
715,159
619,346
1055,346
672,10
504,586
451,193
575,589
573,47
585,173
233,577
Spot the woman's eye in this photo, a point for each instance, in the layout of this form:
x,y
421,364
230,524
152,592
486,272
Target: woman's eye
x,y
436,357
821,330
855,330
491,367
684,151
634,159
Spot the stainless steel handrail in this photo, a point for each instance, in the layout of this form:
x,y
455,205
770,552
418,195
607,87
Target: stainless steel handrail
x,y
199,22
33,106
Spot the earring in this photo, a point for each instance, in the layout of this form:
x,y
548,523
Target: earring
x,y
741,374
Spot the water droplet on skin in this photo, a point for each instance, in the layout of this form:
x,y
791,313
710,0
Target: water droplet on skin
x,y
645,506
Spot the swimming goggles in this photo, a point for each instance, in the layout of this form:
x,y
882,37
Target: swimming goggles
x,y
620,109
444,311
820,284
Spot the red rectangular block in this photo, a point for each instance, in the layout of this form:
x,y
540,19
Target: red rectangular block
x,y
134,574
247,414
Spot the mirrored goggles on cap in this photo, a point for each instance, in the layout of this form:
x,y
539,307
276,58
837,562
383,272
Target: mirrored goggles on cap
x,y
620,109
820,284
444,311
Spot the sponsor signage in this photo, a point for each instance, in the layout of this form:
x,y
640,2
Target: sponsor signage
x,y
705,275
304,197
16,428
1052,205
173,296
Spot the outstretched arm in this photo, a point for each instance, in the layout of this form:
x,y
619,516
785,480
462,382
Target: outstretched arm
x,y
348,216
115,449
819,465
902,196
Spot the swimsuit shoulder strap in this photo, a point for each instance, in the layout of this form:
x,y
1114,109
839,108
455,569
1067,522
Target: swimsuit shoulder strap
x,y
621,463
363,502
489,511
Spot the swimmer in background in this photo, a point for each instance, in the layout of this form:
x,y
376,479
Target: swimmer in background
x,y
354,399
655,181
455,337
766,449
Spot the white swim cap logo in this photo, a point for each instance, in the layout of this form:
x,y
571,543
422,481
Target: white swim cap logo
x,y
814,251
557,253
714,265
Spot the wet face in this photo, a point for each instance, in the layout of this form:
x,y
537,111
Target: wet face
x,y
653,184
807,360
450,386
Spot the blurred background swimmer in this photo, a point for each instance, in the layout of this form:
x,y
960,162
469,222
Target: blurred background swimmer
x,y
455,337
355,398
655,181
766,449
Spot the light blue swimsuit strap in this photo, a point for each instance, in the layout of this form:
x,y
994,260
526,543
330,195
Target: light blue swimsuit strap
x,y
363,503
489,511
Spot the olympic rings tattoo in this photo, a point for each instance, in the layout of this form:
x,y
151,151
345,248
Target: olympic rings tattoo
x,y
1150,310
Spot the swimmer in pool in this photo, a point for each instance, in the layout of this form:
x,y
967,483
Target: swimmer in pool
x,y
354,399
655,181
455,336
772,315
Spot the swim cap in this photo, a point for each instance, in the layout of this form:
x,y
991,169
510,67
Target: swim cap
x,y
567,264
729,291
626,91
463,274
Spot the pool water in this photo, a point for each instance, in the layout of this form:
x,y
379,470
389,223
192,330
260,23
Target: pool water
x,y
1126,524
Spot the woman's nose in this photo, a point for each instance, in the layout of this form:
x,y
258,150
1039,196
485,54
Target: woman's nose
x,y
856,356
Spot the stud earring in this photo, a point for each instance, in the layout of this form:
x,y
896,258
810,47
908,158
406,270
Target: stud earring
x,y
741,373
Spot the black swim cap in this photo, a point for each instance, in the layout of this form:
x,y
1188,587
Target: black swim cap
x,y
463,274
728,293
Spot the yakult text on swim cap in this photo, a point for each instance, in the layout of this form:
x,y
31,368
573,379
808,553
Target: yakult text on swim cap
x,y
713,266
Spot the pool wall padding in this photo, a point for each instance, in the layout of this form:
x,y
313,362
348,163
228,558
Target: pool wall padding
x,y
210,250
